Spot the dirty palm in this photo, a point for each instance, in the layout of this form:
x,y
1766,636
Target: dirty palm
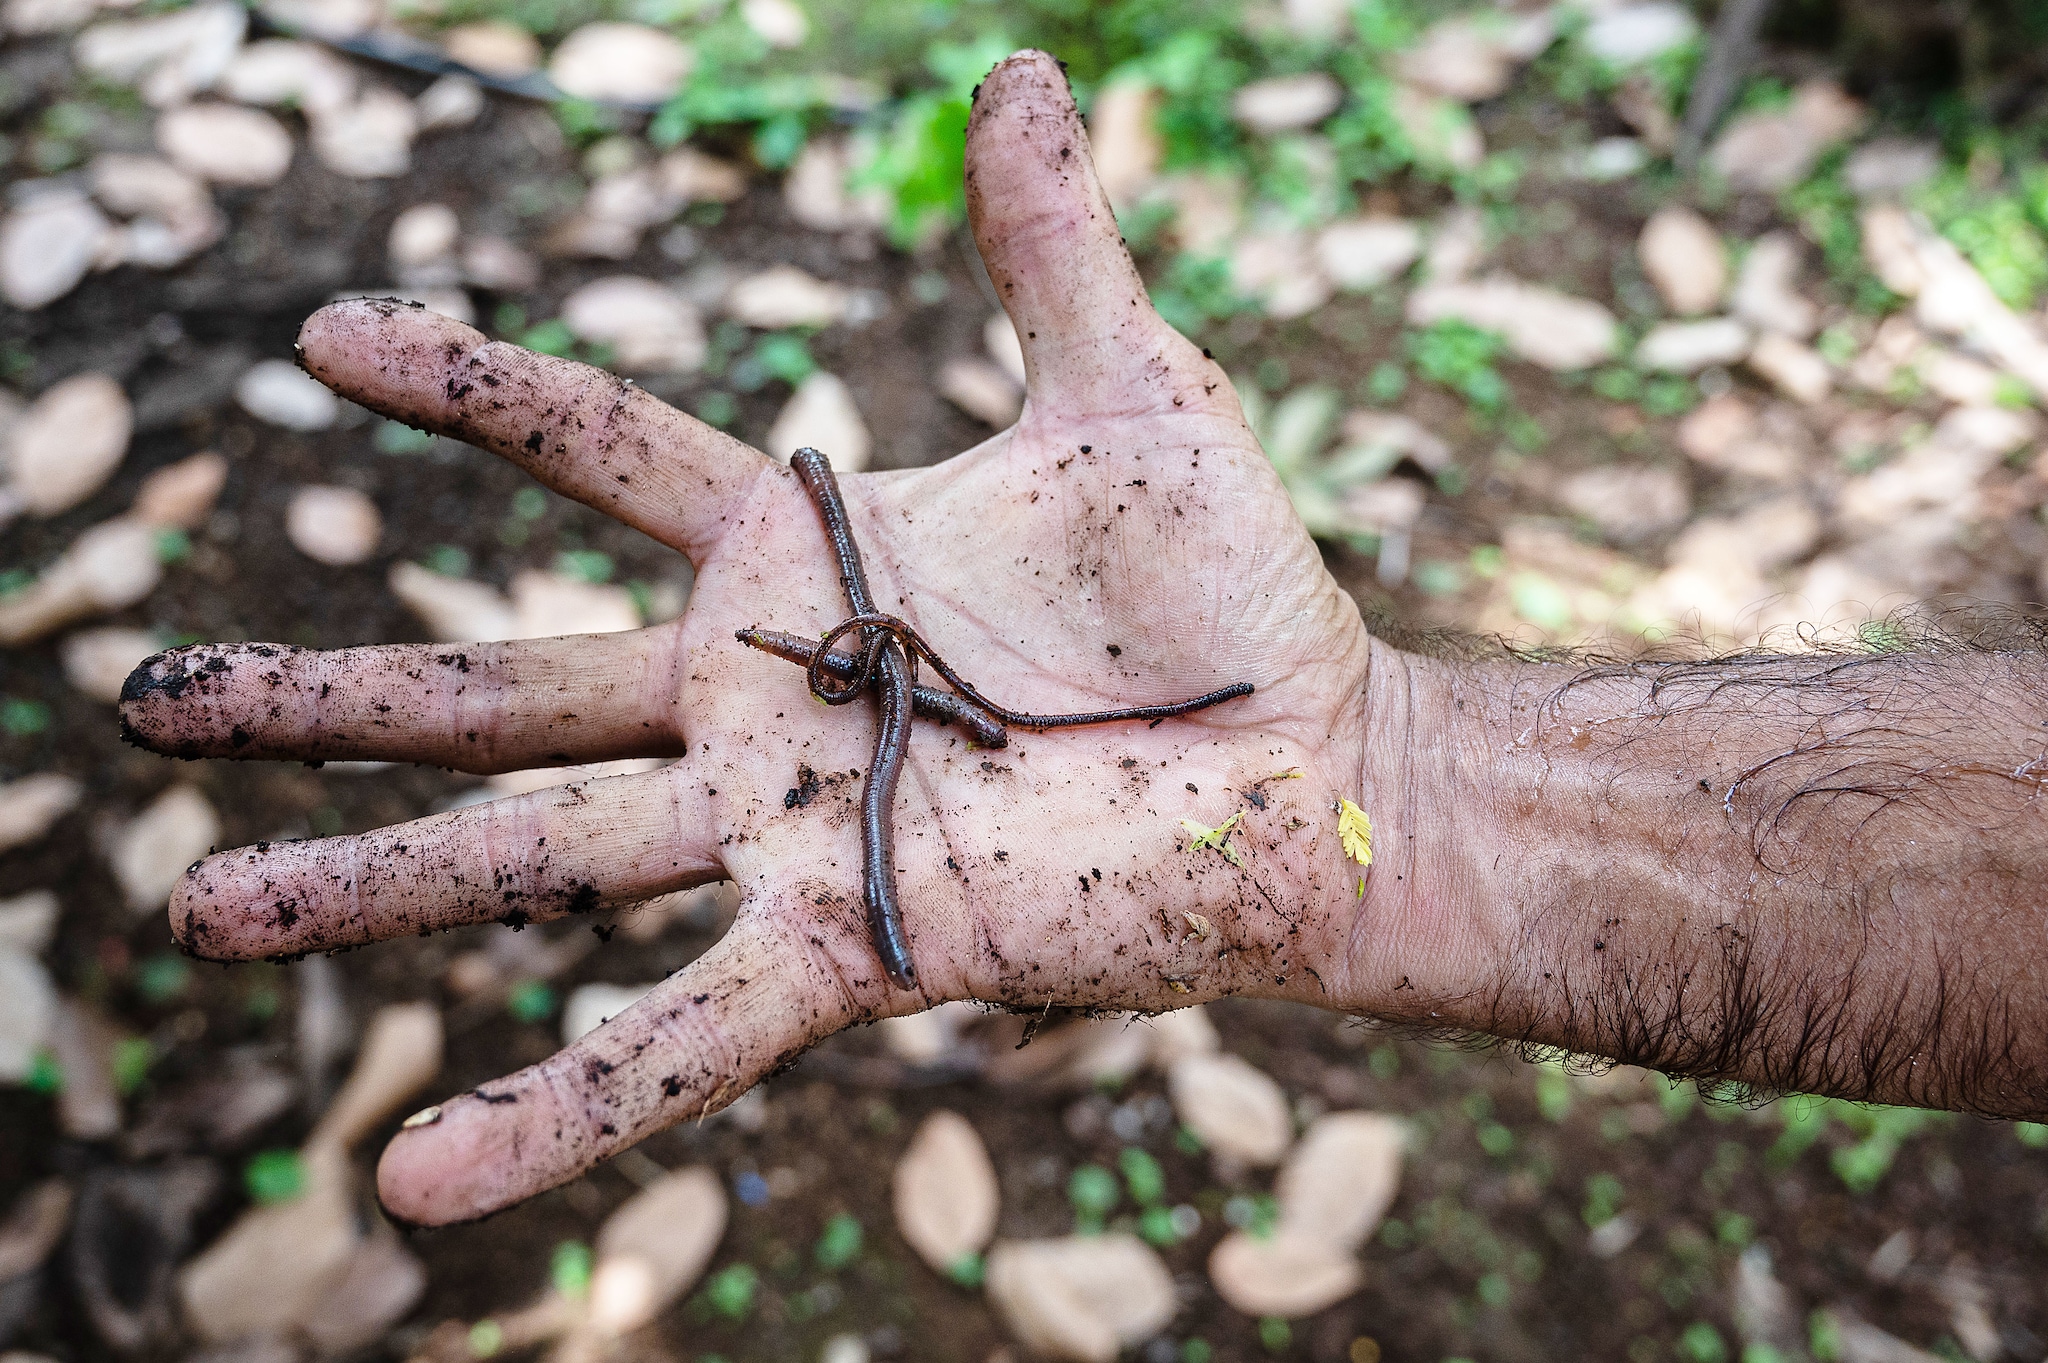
x,y
1125,544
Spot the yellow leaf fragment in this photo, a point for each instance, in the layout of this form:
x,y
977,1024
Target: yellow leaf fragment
x,y
1291,774
1354,830
1215,839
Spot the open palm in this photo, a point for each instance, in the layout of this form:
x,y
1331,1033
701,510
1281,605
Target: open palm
x,y
1126,543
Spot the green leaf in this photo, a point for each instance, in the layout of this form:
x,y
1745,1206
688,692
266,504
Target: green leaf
x,y
785,355
1460,356
531,1001
1155,1225
551,337
731,1291
45,1075
162,977
840,1244
172,545
133,1055
274,1176
23,718
486,1338
1702,1343
1094,1193
1142,1175
395,437
585,565
569,1269
448,560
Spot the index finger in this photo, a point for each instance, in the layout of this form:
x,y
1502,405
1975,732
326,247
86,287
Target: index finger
x,y
586,433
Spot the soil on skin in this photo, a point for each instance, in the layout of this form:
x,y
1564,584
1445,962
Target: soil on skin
x,y
1487,1254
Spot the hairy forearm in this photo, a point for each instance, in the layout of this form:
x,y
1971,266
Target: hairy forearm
x,y
1824,873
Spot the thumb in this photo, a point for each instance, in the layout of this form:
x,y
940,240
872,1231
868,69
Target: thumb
x,y
1091,338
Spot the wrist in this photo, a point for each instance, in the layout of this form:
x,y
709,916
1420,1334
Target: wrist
x,y
1421,943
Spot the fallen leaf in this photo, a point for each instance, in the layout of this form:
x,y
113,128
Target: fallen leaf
x,y
1354,828
1215,839
1287,1276
1236,1109
654,1248
1083,1299
946,1195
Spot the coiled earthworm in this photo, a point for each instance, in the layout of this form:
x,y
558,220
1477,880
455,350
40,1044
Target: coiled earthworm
x,y
889,650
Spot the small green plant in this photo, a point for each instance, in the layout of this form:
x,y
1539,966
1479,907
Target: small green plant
x,y
1604,1196
531,1001
918,158
1702,1343
785,355
718,408
1878,1133
1829,213
395,437
1142,1175
1194,291
1257,1215
23,718
840,1243
1461,357
162,978
448,560
585,565
731,1291
1995,230
133,1057
1386,383
172,545
569,1269
551,337
1157,1227
274,1176
1094,1193
486,1339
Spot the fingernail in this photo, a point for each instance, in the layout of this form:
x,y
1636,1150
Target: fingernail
x,y
424,1117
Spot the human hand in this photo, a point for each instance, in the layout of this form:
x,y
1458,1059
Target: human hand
x,y
1125,543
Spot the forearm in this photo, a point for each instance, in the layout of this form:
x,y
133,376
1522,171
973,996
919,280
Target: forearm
x,y
1822,874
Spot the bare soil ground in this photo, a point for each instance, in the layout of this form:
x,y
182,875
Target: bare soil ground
x,y
1487,1254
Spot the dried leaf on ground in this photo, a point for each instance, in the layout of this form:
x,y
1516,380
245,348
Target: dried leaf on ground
x,y
1081,1299
946,1196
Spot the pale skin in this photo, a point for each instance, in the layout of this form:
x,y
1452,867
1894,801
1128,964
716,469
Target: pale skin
x,y
1861,916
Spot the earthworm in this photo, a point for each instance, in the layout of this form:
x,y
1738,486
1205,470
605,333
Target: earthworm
x,y
892,734
889,649
920,648
940,707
